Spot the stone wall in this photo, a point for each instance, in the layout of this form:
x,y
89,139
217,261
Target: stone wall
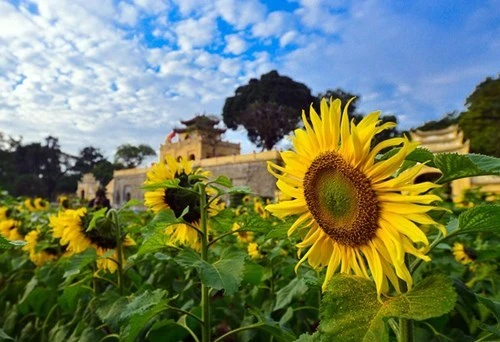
x,y
127,185
246,170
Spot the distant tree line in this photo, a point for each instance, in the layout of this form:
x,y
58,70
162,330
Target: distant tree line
x,y
43,169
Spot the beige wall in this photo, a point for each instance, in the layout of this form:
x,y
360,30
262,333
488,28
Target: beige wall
x,y
87,187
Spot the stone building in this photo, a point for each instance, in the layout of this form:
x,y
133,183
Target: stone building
x,y
451,139
200,141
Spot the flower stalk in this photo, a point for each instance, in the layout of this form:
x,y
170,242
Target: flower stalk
x,y
119,249
205,303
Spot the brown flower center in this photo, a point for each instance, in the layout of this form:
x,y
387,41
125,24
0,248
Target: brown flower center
x,y
341,200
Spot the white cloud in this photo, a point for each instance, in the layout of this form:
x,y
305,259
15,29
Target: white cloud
x,y
128,14
192,33
235,44
274,25
323,15
241,14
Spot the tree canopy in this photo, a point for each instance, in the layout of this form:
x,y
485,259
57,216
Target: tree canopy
x,y
268,108
481,121
131,156
89,157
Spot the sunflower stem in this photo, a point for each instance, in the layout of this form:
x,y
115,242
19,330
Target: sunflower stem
x,y
119,250
205,304
406,331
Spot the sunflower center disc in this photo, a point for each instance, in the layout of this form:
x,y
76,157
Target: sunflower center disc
x,y
341,200
179,199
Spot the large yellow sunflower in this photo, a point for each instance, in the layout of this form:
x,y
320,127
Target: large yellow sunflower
x,y
9,228
69,226
361,219
178,199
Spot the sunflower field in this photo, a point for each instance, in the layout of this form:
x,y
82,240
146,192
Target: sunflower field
x,y
352,250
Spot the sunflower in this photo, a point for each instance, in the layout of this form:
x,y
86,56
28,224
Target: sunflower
x,y
243,236
4,213
38,257
9,229
178,199
253,250
462,254
259,209
358,217
69,226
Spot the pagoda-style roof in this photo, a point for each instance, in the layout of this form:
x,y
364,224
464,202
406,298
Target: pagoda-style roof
x,y
201,123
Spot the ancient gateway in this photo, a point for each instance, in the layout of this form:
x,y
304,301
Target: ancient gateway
x,y
200,141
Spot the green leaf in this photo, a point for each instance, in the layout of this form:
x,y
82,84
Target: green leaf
x,y
4,336
97,217
253,273
79,261
309,338
156,242
141,310
71,295
455,166
492,305
18,243
239,190
224,181
296,288
4,243
225,274
482,218
277,331
350,310
166,184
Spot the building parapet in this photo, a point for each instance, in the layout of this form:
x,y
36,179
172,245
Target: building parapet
x,y
241,158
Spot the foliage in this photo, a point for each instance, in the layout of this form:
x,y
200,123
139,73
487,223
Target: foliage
x,y
481,120
268,108
131,156
226,290
446,121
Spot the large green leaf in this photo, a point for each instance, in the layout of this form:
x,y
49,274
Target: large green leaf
x,y
79,261
224,274
350,310
156,242
141,310
455,166
4,336
482,218
4,243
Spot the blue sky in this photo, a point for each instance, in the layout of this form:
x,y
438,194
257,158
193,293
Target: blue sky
x,y
103,73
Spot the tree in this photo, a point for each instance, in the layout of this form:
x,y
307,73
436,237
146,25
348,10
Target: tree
x,y
89,157
446,121
481,120
103,172
132,156
344,97
268,108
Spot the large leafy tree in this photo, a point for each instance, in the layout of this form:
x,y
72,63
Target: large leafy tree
x,y
88,158
130,156
481,120
268,108
39,168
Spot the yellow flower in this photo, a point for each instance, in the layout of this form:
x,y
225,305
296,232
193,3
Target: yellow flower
x,y
68,225
246,199
358,217
178,199
10,229
40,204
463,254
3,213
253,250
242,236
37,257
259,209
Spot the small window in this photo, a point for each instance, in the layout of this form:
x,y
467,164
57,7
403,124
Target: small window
x,y
179,158
129,197
191,157
82,194
117,197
